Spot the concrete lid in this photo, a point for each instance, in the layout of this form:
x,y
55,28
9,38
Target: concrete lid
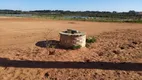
x,y
71,32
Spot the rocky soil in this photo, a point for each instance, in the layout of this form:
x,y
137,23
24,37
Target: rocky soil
x,y
117,55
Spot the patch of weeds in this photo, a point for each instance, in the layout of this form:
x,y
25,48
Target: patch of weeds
x,y
91,40
76,47
51,44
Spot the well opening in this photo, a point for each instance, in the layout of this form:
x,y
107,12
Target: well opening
x,y
70,38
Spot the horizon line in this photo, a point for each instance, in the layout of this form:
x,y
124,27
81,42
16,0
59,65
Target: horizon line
x,y
69,10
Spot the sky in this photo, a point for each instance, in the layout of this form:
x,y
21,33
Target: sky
x,y
73,5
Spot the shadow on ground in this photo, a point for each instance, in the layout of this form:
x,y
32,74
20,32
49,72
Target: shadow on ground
x,y
73,65
49,43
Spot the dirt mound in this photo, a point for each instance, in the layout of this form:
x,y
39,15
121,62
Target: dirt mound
x,y
116,55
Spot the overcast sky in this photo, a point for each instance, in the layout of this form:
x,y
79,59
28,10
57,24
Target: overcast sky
x,y
73,5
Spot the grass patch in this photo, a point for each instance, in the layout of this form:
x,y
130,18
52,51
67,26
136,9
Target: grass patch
x,y
76,47
91,40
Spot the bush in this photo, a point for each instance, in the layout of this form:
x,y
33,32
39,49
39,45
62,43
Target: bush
x,y
90,40
76,47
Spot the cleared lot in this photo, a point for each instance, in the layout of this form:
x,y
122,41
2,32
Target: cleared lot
x,y
116,43
25,31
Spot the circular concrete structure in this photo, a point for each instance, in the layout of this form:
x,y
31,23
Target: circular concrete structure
x,y
72,38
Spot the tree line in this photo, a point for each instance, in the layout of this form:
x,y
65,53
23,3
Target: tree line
x,y
122,15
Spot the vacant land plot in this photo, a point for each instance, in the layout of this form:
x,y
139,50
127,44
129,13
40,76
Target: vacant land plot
x,y
20,59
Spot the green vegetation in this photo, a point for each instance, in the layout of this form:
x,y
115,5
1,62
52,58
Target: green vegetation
x,y
76,47
50,44
89,41
131,16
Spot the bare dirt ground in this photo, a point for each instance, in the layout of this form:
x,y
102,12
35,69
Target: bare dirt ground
x,y
116,55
